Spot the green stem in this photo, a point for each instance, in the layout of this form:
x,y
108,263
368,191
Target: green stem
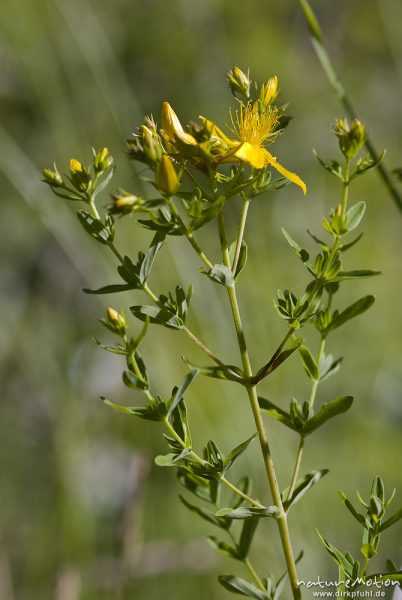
x,y
296,468
248,565
311,401
265,370
188,234
345,190
240,235
262,436
314,385
336,83
200,460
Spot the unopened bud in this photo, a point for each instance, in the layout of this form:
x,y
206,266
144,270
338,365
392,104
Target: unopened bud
x,y
53,178
151,145
125,203
80,176
167,180
269,91
102,160
352,138
115,321
239,82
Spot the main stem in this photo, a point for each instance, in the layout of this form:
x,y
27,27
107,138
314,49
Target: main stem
x,y
262,436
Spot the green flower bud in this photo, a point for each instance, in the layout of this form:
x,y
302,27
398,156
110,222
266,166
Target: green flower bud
x,y
239,82
167,180
125,203
351,138
115,321
52,178
102,160
151,145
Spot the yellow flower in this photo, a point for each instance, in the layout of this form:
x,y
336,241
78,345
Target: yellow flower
x,y
167,180
254,126
172,129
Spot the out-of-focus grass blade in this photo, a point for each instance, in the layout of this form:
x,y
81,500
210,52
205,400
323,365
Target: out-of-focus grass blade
x,y
327,64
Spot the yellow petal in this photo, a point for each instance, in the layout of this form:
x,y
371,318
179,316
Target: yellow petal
x,y
217,132
172,128
291,176
252,155
170,121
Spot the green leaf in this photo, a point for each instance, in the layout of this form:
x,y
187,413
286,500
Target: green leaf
x,y
277,413
328,366
354,215
241,263
102,185
101,232
341,559
358,516
246,536
368,551
327,411
236,453
332,167
245,486
301,253
242,587
248,512
195,484
278,359
395,576
345,247
179,392
110,289
214,456
150,256
354,310
309,363
172,459
148,412
206,514
133,382
180,423
302,486
159,316
223,547
392,520
230,372
220,274
357,274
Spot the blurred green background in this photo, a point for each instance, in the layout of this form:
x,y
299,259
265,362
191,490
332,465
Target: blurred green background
x,y
85,514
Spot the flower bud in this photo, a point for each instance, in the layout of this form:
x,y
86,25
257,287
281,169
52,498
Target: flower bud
x,y
80,176
102,160
52,178
167,180
269,91
125,203
151,145
115,321
352,138
239,82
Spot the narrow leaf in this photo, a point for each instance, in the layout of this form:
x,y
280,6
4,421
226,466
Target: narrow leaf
x,y
110,289
150,256
242,587
180,391
246,536
327,411
236,453
159,316
302,486
309,363
341,560
354,310
248,512
392,520
276,412
206,515
355,214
